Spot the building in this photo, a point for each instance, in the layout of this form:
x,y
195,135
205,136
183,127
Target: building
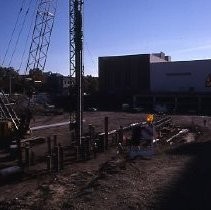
x,y
127,74
120,77
181,77
182,86
66,85
57,84
153,79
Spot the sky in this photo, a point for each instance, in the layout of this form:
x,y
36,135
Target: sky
x,y
179,28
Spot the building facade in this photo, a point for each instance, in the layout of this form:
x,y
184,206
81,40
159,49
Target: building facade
x,y
181,86
181,77
153,79
127,74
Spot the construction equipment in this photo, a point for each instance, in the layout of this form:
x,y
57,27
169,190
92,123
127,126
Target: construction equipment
x,y
141,141
41,35
12,128
76,64
6,110
9,122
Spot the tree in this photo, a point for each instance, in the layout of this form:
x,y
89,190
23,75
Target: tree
x,y
7,71
8,77
90,84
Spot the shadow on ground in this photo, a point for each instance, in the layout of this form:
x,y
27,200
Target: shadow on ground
x,y
193,189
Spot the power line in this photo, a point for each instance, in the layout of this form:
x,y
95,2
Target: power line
x,y
21,29
19,13
90,54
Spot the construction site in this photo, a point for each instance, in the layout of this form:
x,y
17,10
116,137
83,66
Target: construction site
x,y
126,153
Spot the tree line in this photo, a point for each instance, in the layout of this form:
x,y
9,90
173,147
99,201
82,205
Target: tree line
x,y
10,79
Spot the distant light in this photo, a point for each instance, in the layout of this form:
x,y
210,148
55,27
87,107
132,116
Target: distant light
x,y
29,79
150,118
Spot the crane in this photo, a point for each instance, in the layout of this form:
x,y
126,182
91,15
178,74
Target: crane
x,y
76,62
43,26
41,35
44,22
40,44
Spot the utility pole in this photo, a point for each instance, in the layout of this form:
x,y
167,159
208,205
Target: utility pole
x,y
76,62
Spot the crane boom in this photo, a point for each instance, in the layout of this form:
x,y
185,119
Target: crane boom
x,y
41,35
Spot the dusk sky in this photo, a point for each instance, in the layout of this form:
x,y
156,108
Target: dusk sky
x,y
180,28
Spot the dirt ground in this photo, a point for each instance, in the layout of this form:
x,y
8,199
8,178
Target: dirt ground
x,y
176,178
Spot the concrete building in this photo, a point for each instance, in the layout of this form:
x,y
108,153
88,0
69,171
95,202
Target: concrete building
x,y
181,77
181,86
153,79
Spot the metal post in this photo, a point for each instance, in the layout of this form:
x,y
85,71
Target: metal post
x,y
50,155
61,156
55,140
55,158
106,132
49,145
58,158
91,133
101,143
49,163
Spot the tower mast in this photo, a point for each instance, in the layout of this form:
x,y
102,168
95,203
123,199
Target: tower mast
x,y
76,61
